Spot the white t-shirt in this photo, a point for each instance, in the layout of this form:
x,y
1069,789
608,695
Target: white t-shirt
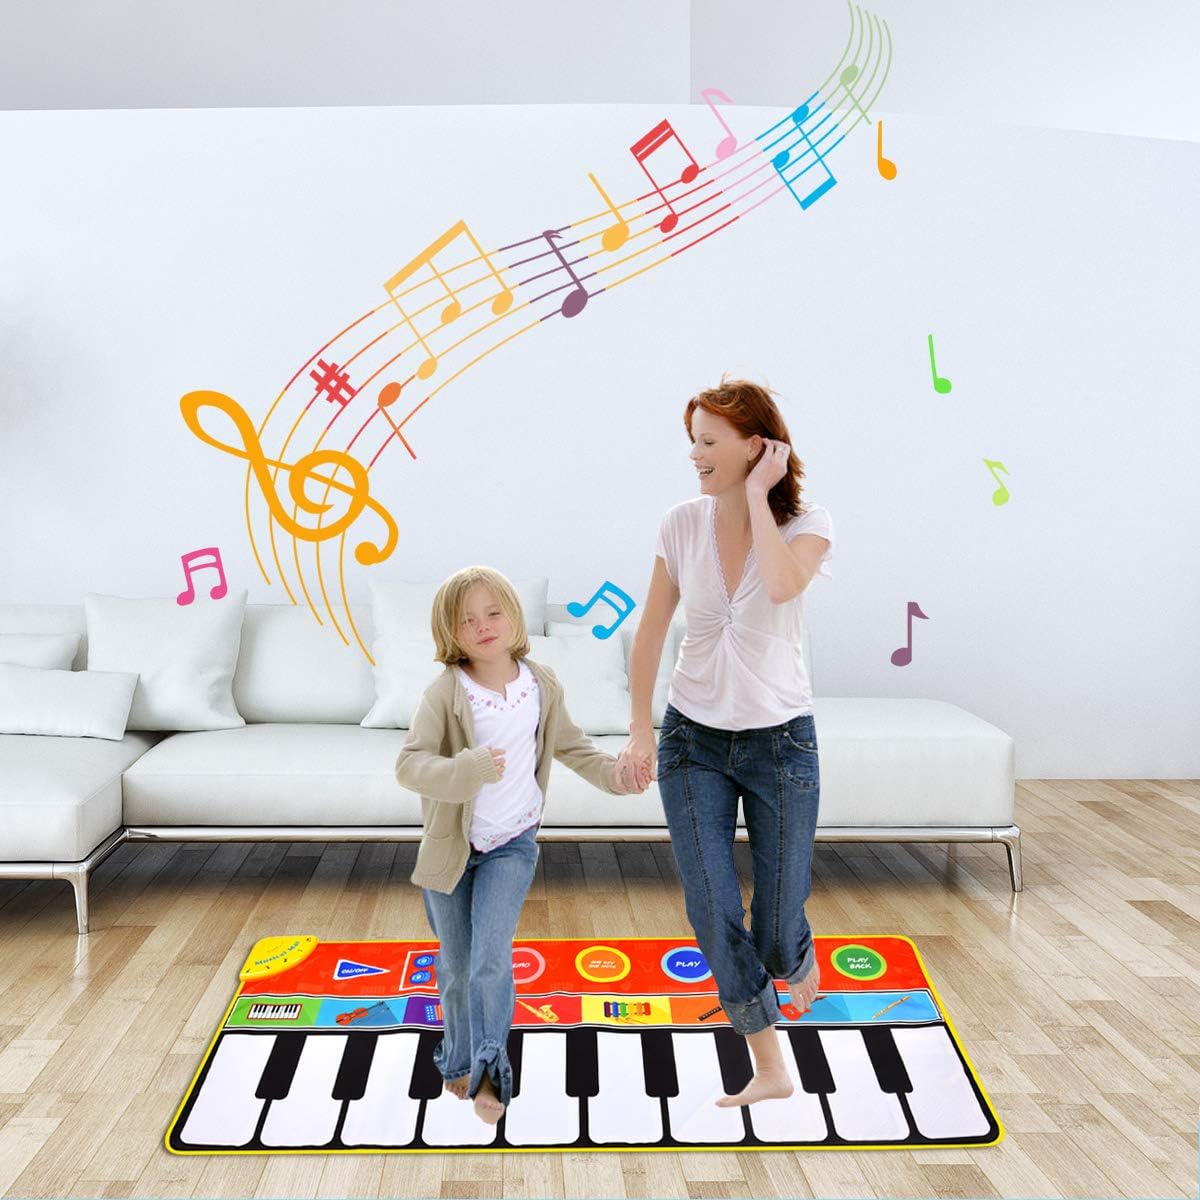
x,y
511,804
740,665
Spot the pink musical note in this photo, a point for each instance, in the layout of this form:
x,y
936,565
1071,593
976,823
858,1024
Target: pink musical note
x,y
903,656
645,146
197,560
727,145
626,603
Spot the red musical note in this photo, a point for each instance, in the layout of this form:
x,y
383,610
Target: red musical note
x,y
576,300
727,145
903,656
197,560
645,146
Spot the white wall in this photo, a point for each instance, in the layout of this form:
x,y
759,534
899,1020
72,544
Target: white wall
x,y
148,254
1074,64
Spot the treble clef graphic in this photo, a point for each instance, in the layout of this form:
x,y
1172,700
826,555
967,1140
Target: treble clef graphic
x,y
299,473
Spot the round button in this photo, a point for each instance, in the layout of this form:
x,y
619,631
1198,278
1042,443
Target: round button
x,y
424,960
685,964
420,977
527,963
602,964
858,962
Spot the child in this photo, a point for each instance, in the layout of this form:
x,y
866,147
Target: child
x,y
479,754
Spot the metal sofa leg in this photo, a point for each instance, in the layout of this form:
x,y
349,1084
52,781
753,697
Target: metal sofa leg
x,y
1011,838
78,879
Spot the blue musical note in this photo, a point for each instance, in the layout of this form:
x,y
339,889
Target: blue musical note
x,y
799,116
602,631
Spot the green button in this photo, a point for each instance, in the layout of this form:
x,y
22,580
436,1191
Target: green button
x,y
859,962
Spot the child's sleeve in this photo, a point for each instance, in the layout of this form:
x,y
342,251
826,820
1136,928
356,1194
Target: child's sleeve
x,y
423,769
573,748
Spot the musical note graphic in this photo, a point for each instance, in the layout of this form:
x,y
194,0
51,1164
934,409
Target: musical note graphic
x,y
453,310
335,382
887,168
645,146
941,385
728,144
198,560
388,395
603,631
848,76
1000,495
613,238
576,300
781,160
903,656
299,473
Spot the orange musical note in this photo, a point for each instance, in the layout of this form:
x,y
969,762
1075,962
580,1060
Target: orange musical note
x,y
728,144
613,238
1000,495
299,473
453,310
197,560
645,146
903,656
887,168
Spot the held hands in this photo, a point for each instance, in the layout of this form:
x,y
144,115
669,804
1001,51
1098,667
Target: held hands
x,y
638,759
627,777
770,468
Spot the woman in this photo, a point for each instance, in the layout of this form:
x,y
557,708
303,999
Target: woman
x,y
739,719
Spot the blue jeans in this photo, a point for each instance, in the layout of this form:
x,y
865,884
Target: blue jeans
x,y
474,925
701,772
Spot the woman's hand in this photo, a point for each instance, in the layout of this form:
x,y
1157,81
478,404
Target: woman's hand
x,y
770,468
641,752
626,777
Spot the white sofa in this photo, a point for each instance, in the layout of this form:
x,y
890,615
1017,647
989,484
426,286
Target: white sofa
x,y
304,769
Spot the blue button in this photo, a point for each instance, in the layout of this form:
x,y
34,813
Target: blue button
x,y
686,964
420,977
424,960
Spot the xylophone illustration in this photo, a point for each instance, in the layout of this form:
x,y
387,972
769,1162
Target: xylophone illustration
x,y
620,1045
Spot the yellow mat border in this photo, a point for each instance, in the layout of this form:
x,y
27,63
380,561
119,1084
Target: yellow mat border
x,y
608,1149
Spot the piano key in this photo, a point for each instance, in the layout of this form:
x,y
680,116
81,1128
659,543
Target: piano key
x,y
693,1114
387,1113
227,1108
355,1069
861,1110
734,1057
274,1012
515,1053
658,1063
427,1080
308,1114
943,1101
583,1071
621,1111
797,1118
542,1113
810,1060
885,1058
281,1066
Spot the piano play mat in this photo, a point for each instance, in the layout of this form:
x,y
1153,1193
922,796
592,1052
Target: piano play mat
x,y
617,1044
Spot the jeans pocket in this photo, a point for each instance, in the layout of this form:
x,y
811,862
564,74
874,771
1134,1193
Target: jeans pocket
x,y
672,749
799,760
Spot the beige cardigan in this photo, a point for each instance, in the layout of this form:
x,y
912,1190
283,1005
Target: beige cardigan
x,y
440,761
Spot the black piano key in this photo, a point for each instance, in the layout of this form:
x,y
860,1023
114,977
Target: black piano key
x,y
281,1066
427,1080
885,1058
351,1081
658,1063
516,1039
734,1056
813,1066
583,1066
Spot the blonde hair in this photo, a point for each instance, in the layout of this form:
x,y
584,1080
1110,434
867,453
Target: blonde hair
x,y
450,601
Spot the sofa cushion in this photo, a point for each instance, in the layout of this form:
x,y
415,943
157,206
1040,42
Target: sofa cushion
x,y
48,651
60,797
64,703
272,774
47,618
592,674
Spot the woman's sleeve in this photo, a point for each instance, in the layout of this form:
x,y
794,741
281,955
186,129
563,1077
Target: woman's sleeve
x,y
814,520
667,547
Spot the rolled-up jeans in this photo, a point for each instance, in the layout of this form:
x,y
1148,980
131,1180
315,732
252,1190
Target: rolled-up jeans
x,y
701,773
474,925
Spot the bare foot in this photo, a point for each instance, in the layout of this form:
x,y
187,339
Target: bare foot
x,y
457,1087
487,1104
766,1085
805,992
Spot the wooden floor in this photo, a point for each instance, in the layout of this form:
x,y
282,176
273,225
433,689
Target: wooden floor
x,y
1078,1002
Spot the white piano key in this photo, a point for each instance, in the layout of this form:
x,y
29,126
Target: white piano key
x,y
386,1115
799,1117
450,1121
943,1102
862,1111
693,1114
543,1114
308,1114
226,1110
622,1112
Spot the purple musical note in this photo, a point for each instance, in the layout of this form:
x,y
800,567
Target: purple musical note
x,y
603,631
576,300
197,560
903,656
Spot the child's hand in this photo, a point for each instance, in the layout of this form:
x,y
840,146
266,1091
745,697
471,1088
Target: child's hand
x,y
497,759
625,775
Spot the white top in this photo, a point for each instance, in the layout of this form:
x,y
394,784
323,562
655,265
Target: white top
x,y
509,722
740,665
